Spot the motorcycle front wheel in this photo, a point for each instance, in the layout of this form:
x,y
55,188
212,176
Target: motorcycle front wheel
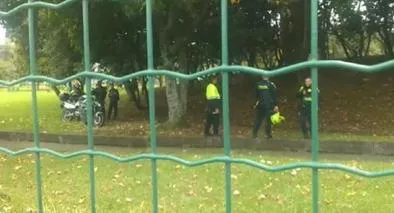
x,y
98,119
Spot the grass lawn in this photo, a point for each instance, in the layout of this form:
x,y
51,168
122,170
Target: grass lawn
x,y
127,187
15,108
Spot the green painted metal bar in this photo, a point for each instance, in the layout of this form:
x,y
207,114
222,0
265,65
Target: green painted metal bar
x,y
213,160
36,133
86,57
242,69
225,103
152,114
388,65
37,4
315,119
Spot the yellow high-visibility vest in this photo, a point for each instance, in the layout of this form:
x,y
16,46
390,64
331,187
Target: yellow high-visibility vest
x,y
212,92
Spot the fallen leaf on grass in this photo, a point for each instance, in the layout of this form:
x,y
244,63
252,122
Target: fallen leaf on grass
x,y
267,186
280,200
81,200
17,168
208,189
191,193
58,192
262,197
293,172
351,193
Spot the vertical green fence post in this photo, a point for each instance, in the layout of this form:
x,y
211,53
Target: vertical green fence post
x,y
315,130
152,114
226,114
36,133
86,57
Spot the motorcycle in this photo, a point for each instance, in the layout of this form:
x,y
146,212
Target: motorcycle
x,y
76,108
70,107
97,110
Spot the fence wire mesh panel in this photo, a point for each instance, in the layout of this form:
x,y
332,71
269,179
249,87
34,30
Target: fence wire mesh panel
x,y
313,64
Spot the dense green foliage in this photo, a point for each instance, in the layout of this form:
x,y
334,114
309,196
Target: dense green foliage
x,y
187,36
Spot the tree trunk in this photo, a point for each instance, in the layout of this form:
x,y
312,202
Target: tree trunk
x,y
55,89
368,45
183,91
133,93
145,90
175,106
295,32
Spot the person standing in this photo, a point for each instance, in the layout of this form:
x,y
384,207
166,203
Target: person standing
x,y
304,95
114,98
100,93
76,91
213,108
265,106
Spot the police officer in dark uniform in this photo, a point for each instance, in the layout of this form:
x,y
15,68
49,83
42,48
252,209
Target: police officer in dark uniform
x,y
304,95
113,96
266,105
100,93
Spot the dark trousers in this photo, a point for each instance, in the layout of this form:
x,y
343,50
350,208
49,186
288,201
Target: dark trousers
x,y
113,106
262,114
212,120
305,120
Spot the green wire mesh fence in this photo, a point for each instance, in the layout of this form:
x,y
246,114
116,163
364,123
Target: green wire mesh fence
x,y
314,64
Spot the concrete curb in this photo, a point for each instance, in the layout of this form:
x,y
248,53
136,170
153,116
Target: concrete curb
x,y
338,147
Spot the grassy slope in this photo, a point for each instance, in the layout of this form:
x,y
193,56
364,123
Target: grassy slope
x,y
127,187
354,107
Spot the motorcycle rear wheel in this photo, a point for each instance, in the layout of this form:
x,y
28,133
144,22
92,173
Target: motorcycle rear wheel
x,y
66,117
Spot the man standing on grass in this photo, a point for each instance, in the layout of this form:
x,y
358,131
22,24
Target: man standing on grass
x,y
266,105
100,93
113,96
213,108
304,95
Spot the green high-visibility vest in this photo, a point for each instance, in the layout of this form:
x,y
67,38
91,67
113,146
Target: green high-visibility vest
x,y
212,92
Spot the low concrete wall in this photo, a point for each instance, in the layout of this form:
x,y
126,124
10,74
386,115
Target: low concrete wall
x,y
345,147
